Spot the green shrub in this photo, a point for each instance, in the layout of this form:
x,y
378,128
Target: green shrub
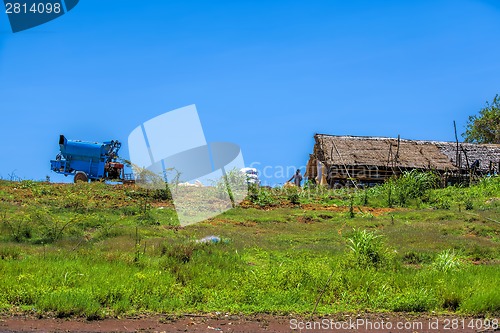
x,y
161,194
294,198
180,252
416,258
18,227
130,210
469,205
447,261
366,248
412,184
443,203
262,197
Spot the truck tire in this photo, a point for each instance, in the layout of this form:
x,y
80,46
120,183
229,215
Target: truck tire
x,y
81,176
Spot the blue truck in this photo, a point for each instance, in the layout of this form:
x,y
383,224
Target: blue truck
x,y
88,160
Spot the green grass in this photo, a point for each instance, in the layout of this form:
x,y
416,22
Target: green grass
x,y
95,250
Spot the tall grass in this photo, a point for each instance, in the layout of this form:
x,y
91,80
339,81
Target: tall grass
x,y
366,248
217,279
411,185
447,260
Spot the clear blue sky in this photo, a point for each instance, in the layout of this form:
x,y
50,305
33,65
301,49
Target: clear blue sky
x,y
266,75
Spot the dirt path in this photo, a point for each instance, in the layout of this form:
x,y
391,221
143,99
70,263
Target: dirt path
x,y
261,323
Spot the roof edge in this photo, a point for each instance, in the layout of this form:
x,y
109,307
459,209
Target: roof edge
x,y
361,137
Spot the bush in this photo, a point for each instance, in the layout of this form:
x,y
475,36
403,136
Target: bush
x,y
447,261
19,227
232,185
294,198
469,205
366,248
412,184
416,258
181,252
442,203
262,197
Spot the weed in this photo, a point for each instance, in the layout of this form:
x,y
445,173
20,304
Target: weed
x,y
411,185
27,184
446,261
262,197
70,302
233,186
366,248
416,258
294,198
145,216
351,208
419,300
18,227
9,253
451,301
389,195
443,203
181,252
469,205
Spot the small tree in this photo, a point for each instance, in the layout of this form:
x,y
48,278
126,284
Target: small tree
x,y
485,127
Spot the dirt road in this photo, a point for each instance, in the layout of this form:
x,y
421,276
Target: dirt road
x,y
381,323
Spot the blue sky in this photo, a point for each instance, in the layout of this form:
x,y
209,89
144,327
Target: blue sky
x,y
266,75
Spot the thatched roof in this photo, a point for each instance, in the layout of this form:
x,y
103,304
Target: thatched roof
x,y
382,152
484,153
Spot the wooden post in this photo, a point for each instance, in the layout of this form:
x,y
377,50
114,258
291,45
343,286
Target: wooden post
x,y
456,139
325,161
468,165
397,152
466,158
390,155
460,168
345,167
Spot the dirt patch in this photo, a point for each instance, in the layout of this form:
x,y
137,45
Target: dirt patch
x,y
162,204
378,211
341,209
305,219
379,323
330,208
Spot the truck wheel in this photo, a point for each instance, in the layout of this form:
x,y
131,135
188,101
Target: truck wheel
x,y
81,177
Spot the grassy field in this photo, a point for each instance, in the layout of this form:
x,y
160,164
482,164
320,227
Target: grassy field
x,y
97,250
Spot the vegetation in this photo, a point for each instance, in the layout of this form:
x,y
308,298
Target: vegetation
x,y
485,127
95,250
411,185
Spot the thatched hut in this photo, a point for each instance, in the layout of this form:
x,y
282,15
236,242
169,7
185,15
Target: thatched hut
x,y
341,160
